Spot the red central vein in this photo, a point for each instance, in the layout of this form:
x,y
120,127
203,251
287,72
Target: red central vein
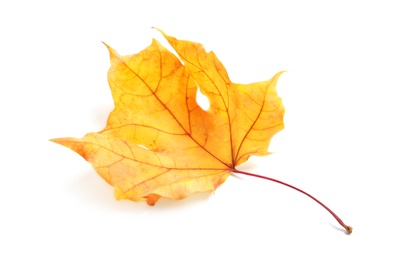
x,y
221,96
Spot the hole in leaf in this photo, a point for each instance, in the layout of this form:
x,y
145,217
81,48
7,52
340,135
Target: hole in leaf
x,y
143,146
202,100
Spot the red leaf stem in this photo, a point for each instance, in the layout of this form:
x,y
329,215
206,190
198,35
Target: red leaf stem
x,y
348,229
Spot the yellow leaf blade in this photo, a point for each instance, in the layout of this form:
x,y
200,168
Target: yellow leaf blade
x,y
158,142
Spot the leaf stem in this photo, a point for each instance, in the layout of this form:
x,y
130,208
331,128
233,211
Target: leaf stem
x,y
346,227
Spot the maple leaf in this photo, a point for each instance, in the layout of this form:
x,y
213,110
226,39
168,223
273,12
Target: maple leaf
x,y
158,142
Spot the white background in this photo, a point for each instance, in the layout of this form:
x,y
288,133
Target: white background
x,y
337,143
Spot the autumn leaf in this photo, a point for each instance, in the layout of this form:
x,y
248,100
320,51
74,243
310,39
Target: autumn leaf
x,y
158,142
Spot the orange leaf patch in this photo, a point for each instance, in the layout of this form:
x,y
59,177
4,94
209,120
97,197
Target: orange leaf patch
x,y
158,142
